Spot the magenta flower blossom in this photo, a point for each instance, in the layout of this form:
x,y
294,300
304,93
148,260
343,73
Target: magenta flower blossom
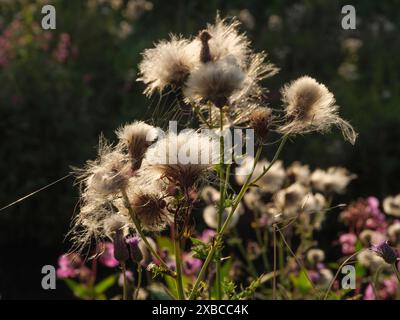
x,y
386,252
68,266
348,242
369,293
191,265
107,256
207,235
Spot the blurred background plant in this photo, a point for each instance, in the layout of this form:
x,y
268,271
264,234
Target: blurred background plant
x,y
61,88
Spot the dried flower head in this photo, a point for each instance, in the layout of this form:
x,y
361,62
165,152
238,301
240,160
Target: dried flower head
x,y
210,216
186,159
297,172
369,259
260,121
136,138
313,203
107,174
114,223
151,210
335,179
169,63
205,54
391,205
393,232
370,237
224,40
271,182
315,256
289,201
210,195
214,82
310,106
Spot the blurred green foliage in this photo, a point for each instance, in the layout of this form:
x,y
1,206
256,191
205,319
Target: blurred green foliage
x,y
61,88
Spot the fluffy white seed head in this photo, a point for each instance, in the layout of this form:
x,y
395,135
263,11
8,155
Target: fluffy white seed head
x,y
184,159
271,182
135,138
310,106
335,179
391,205
169,63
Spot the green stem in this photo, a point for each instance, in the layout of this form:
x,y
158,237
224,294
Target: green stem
x,y
262,244
236,203
251,268
178,262
139,283
138,228
221,207
337,273
396,271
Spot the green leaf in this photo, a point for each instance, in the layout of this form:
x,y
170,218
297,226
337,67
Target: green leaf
x,y
301,282
104,284
78,289
171,284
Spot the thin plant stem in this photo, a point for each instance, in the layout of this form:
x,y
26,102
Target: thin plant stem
x,y
298,261
139,283
125,286
238,198
337,273
138,228
396,271
178,262
243,252
221,206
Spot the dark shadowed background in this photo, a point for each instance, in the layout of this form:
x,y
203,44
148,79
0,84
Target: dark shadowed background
x,y
60,89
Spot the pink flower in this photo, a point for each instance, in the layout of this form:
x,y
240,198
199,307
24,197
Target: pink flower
x,y
129,278
207,235
191,265
69,265
369,293
107,256
348,242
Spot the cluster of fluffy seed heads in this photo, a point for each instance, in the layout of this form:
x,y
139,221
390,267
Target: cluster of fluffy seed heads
x,y
215,69
140,176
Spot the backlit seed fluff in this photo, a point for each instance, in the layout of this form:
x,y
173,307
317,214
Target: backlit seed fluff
x,y
106,175
210,215
299,173
151,211
270,182
214,82
310,106
393,232
115,222
315,256
225,41
169,63
260,121
335,179
184,159
136,138
391,205
289,201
